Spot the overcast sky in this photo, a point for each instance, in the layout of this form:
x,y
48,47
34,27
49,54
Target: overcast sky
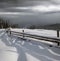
x,y
31,11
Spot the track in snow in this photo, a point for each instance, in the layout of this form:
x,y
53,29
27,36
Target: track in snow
x,y
21,50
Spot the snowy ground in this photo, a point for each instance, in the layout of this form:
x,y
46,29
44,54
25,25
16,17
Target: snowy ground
x,y
41,32
16,49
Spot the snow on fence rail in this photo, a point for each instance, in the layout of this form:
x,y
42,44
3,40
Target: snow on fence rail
x,y
23,35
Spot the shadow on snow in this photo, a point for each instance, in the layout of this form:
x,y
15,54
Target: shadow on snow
x,y
35,49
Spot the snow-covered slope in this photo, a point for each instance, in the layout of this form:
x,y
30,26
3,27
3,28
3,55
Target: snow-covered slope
x,y
16,49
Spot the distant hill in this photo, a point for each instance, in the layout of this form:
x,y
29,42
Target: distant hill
x,y
52,26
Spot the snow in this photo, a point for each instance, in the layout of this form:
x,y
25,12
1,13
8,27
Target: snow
x,y
6,52
40,32
16,49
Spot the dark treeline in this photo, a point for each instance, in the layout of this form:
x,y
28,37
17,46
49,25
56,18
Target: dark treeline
x,y
6,24
3,24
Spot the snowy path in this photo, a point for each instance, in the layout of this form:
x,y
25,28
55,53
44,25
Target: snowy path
x,y
15,49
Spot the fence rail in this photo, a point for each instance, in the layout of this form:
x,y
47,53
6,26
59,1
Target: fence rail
x,y
50,39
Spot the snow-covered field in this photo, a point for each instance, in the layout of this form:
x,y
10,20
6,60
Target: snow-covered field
x,y
16,49
41,32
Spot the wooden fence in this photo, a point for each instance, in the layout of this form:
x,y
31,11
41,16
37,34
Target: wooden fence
x,y
23,35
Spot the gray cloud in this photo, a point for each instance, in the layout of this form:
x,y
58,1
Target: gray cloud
x,y
37,17
7,3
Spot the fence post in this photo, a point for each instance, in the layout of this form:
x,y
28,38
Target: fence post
x,y
57,33
10,32
23,33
